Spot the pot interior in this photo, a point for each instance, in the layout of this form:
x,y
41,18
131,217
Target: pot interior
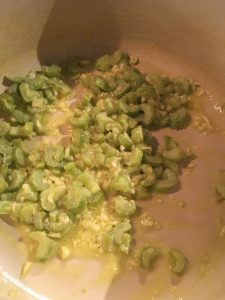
x,y
172,38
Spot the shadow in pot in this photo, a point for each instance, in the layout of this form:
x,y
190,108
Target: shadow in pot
x,y
78,28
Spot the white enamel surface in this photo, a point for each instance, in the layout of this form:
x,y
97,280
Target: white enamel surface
x,y
175,37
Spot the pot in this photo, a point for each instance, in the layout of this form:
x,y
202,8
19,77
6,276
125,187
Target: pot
x,y
170,37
